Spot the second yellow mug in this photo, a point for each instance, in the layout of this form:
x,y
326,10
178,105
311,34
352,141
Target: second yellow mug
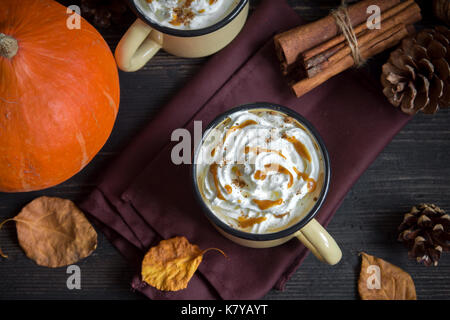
x,y
145,37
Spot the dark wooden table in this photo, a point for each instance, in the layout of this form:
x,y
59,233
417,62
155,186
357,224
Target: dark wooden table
x,y
414,168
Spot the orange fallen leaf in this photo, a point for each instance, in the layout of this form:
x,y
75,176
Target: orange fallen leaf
x,y
170,265
54,232
380,280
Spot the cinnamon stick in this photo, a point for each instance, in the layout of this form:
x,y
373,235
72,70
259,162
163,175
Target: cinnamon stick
x,y
382,42
409,15
340,39
289,47
327,54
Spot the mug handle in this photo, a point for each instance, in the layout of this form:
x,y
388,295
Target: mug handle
x,y
320,242
137,46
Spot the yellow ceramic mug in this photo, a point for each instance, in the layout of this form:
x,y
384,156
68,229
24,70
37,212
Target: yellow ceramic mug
x,y
145,37
307,229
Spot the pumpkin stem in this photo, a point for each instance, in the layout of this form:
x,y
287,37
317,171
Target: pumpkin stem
x,y
8,46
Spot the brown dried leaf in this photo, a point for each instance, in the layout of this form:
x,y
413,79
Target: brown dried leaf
x,y
170,265
394,283
54,232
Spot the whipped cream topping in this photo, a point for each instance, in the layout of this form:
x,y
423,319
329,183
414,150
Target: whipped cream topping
x,y
259,171
186,14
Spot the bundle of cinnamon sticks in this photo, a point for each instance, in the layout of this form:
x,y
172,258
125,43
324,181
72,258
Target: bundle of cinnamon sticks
x,y
313,53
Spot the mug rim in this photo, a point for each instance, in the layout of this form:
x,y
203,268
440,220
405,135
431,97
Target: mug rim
x,y
189,33
293,228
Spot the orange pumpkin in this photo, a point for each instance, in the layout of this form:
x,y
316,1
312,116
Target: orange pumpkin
x,y
59,94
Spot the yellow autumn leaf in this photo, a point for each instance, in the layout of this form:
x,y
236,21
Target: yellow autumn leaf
x,y
170,265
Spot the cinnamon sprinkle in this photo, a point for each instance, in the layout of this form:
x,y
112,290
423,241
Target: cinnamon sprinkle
x,y
182,14
239,183
288,119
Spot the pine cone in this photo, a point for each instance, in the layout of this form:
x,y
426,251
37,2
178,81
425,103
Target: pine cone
x,y
425,231
102,12
441,9
417,74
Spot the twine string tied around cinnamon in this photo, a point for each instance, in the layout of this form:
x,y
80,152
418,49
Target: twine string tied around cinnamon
x,y
344,23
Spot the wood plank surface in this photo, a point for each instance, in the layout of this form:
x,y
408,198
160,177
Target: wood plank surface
x,y
414,168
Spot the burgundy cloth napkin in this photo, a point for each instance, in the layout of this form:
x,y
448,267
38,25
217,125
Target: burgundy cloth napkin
x,y
143,197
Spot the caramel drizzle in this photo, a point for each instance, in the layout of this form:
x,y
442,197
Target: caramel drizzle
x,y
299,147
305,176
259,150
228,188
213,170
310,182
232,129
279,216
245,222
266,204
246,123
272,167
